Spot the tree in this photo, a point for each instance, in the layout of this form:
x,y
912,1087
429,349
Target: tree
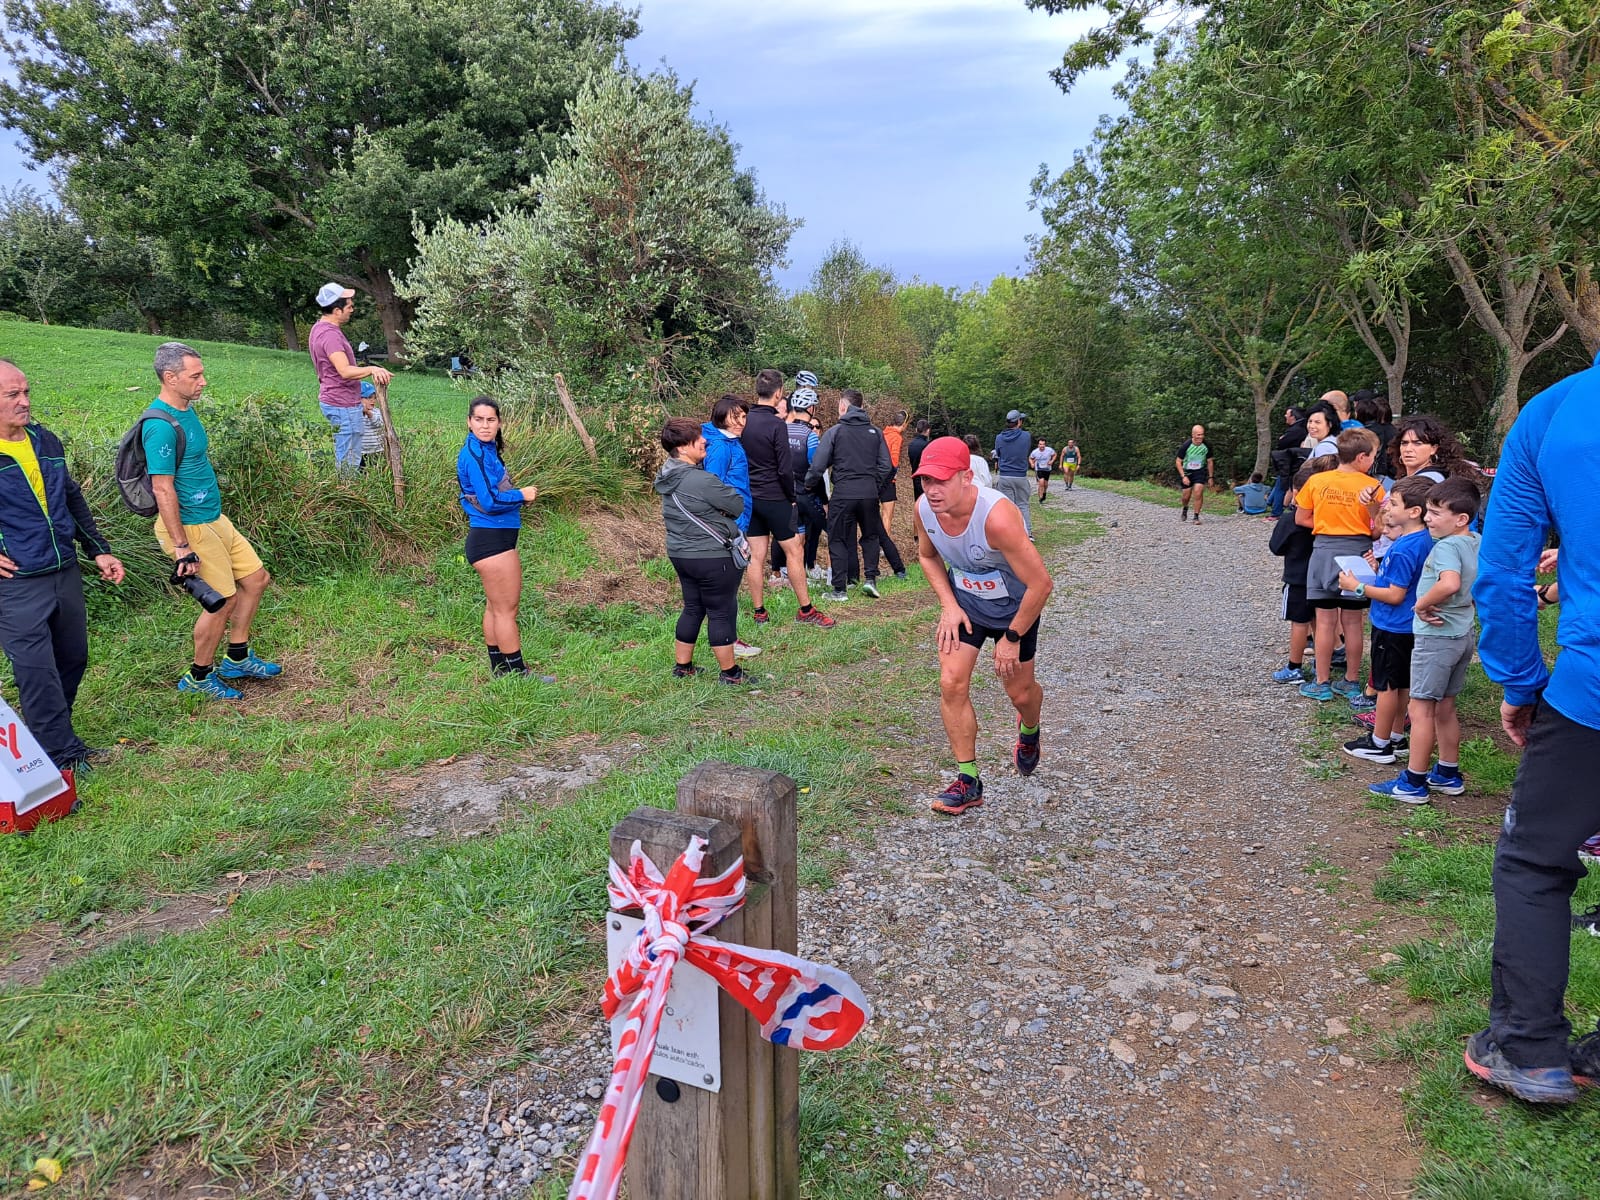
x,y
44,255
316,130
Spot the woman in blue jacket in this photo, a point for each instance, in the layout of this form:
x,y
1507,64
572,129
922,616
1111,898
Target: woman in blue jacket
x,y
494,518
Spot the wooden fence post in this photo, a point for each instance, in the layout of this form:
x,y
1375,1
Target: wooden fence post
x,y
391,446
572,415
739,1143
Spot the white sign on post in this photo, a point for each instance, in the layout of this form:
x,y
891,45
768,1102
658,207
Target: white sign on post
x,y
689,1046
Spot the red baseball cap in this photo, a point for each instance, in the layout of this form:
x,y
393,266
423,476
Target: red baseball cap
x,y
944,457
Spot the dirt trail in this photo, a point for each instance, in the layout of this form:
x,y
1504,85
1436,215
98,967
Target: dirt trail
x,y
1143,971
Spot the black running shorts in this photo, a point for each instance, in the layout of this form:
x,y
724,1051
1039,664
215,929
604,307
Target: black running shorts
x,y
774,518
982,633
486,543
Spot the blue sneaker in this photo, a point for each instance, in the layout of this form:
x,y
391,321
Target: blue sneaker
x,y
1361,702
1347,688
1447,785
210,687
1536,1085
1288,674
1401,789
1316,691
248,667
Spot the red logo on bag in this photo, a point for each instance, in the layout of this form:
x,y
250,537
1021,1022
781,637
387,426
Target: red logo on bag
x,y
8,738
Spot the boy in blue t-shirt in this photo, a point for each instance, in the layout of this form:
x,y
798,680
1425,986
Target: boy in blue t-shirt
x,y
1443,623
1252,496
1393,596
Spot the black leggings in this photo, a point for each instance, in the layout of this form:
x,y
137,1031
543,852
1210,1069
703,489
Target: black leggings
x,y
710,594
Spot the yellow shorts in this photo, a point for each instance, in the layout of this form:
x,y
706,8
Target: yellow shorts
x,y
225,555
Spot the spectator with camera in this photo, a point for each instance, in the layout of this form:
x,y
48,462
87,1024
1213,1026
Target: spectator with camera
x,y
214,561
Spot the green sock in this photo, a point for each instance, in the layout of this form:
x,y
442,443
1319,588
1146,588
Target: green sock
x,y
969,769
1028,730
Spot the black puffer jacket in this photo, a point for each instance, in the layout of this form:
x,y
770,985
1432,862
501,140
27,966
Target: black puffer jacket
x,y
858,455
766,445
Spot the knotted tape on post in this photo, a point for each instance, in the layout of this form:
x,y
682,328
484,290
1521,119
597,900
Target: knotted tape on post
x,y
797,1003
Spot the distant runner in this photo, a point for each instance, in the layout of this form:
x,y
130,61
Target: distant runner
x,y
1071,460
1196,469
1042,459
991,583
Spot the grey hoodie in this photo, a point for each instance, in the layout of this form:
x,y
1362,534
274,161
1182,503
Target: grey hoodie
x,y
708,498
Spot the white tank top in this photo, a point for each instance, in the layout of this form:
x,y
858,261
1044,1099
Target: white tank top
x,y
986,587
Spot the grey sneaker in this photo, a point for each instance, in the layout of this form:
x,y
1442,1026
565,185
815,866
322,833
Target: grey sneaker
x,y
838,597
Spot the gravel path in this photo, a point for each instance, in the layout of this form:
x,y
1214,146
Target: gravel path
x,y
1134,974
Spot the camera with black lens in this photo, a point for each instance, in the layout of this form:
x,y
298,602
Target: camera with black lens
x,y
210,599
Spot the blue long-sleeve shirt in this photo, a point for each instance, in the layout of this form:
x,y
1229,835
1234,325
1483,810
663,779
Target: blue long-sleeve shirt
x,y
1549,475
725,458
480,473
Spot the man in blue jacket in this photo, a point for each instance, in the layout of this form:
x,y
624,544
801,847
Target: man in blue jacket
x,y
1011,447
1548,475
42,626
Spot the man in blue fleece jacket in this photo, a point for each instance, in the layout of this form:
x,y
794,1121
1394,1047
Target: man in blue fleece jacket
x,y
1548,475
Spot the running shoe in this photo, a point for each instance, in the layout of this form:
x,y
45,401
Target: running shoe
x,y
1536,1085
870,588
1588,921
1026,754
1365,747
1447,784
210,687
1197,518
1589,852
1348,688
966,792
838,597
1184,515
1401,789
1369,719
685,670
1288,674
817,574
733,678
816,617
743,649
1584,1054
1320,692
248,667
901,575
761,615
1361,702
1339,657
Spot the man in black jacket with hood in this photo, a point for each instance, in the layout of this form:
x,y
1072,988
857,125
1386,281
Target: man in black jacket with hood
x,y
856,452
772,500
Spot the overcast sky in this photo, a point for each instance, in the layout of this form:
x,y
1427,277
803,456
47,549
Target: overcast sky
x,y
910,127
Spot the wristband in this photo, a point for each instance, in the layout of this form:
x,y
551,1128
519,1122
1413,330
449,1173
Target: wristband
x,y
1361,590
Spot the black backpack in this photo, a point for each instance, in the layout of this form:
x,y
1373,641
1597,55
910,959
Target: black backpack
x,y
133,470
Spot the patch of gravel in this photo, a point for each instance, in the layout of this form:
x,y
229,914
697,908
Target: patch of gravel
x,y
1119,977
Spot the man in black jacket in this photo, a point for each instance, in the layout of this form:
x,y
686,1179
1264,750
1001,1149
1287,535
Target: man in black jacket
x,y
855,451
42,625
1287,456
772,500
914,449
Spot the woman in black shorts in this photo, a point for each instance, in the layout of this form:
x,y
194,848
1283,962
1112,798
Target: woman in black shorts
x,y
494,519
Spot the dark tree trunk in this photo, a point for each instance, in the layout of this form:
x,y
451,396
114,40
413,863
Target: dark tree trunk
x,y
291,331
393,311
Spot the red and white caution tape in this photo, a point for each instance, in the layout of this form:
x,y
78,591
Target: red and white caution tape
x,y
798,1003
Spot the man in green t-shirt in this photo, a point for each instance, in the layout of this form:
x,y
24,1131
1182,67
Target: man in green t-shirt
x,y
1195,471
191,527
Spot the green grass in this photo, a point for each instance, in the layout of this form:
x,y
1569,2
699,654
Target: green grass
x,y
1143,489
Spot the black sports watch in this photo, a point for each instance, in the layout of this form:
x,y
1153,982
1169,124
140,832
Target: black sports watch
x,y
1013,636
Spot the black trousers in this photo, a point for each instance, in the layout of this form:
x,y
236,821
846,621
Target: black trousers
x,y
710,595
1555,806
845,518
44,633
890,550
814,512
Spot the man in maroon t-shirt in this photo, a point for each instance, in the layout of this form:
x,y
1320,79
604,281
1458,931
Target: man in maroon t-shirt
x,y
338,377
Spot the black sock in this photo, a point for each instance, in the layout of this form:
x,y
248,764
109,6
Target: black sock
x,y
1293,666
734,672
238,651
513,662
806,607
496,659
200,672
760,608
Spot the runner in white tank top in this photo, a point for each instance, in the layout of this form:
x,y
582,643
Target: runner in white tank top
x,y
991,583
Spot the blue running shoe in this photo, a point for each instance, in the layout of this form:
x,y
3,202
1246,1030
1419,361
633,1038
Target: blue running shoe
x,y
1347,688
1316,691
1536,1085
1362,703
1288,674
1447,785
1401,789
248,667
210,687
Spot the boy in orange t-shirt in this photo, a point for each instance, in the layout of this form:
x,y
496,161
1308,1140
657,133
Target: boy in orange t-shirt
x,y
1339,507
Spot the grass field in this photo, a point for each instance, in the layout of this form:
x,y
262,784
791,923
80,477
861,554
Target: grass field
x,y
334,961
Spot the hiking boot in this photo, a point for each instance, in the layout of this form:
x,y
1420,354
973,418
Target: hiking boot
x,y
1288,674
685,670
1584,1054
1320,692
966,792
248,667
761,615
1361,702
1536,1085
1026,754
1589,852
743,649
816,617
1348,688
210,687
1446,783
1588,922
1365,747
870,588
1402,789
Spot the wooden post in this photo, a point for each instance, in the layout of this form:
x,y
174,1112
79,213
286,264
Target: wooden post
x,y
391,445
762,805
577,421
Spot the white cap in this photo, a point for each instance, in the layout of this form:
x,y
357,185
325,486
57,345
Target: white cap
x,y
329,292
